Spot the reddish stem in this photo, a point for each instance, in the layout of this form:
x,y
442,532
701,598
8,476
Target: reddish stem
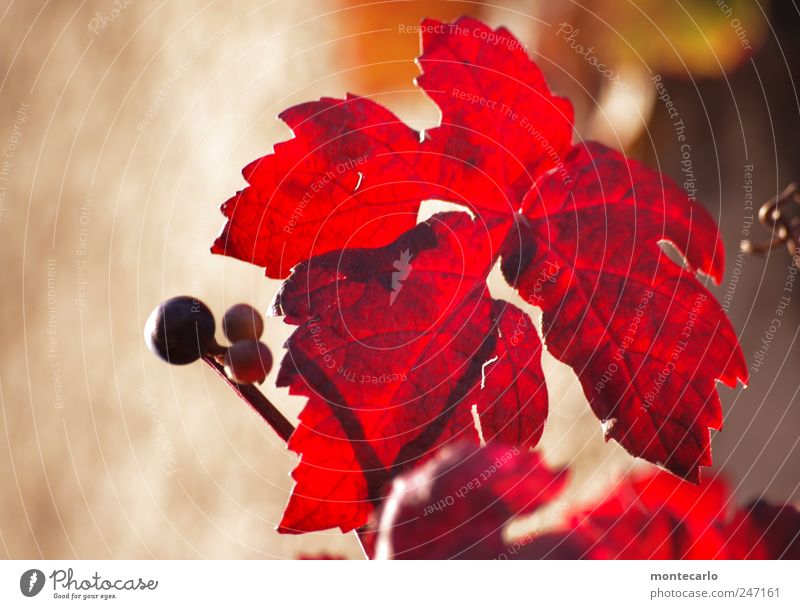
x,y
257,400
275,419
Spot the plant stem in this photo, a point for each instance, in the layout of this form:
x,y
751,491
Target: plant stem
x,y
274,418
257,400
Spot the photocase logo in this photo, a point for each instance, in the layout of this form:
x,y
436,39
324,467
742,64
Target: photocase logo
x,y
403,266
31,582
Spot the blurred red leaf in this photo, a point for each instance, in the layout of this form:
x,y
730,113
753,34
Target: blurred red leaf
x,y
765,531
658,516
457,504
322,556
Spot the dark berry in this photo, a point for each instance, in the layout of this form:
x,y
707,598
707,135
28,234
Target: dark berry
x,y
180,330
242,322
248,361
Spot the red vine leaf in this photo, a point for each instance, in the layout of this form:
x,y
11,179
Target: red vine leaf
x,y
501,126
392,368
338,172
512,395
577,230
646,339
354,165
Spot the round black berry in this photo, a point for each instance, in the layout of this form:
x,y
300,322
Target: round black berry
x,y
180,330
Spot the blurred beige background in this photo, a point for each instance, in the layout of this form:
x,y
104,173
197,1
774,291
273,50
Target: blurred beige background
x,y
125,124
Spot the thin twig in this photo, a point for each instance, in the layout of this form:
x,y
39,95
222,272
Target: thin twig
x,y
274,418
257,400
782,216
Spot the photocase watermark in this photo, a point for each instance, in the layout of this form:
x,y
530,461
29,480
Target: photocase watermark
x,y
569,34
20,118
94,587
735,24
168,461
488,37
101,21
747,222
81,260
198,251
403,267
474,484
53,358
31,582
318,185
627,340
687,166
548,274
520,329
183,67
402,270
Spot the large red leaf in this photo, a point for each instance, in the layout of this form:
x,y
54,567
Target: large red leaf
x,y
583,244
392,369
646,339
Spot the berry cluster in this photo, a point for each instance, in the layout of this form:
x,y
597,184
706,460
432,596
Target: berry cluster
x,y
181,331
